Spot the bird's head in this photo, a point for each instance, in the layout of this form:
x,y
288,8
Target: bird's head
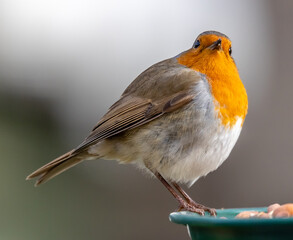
x,y
211,51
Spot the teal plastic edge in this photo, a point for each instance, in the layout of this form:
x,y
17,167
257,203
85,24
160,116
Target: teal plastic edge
x,y
191,219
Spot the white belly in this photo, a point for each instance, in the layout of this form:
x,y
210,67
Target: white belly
x,y
201,160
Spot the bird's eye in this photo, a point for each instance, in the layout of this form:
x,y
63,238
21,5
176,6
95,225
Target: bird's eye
x,y
230,51
196,44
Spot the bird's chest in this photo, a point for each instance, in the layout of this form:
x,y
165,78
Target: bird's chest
x,y
205,149
214,150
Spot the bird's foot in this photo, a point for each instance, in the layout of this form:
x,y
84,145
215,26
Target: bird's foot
x,y
197,208
192,203
184,206
212,211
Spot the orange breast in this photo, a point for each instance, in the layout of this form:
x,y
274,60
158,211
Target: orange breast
x,y
229,94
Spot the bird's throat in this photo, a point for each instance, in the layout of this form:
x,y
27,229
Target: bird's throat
x,y
229,94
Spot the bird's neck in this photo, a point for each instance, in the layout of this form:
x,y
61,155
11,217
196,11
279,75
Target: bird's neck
x,y
229,94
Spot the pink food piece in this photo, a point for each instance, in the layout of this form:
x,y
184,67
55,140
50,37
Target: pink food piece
x,y
246,214
272,207
284,211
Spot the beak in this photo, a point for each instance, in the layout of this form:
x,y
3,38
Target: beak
x,y
216,45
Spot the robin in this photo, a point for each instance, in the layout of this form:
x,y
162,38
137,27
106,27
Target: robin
x,y
179,120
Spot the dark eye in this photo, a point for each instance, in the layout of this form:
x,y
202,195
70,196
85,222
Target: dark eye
x,y
230,51
196,44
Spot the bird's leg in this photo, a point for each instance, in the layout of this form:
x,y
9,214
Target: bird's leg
x,y
184,205
212,211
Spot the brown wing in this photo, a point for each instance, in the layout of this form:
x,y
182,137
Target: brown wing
x,y
130,112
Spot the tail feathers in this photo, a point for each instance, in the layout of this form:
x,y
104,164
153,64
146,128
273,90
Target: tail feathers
x,y
56,167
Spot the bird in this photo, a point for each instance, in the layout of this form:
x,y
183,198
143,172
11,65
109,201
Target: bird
x,y
179,120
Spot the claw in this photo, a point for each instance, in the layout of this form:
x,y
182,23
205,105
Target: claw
x,y
188,207
212,211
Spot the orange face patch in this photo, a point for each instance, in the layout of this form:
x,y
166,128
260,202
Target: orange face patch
x,y
222,74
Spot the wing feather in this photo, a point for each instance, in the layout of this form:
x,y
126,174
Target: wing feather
x,y
131,112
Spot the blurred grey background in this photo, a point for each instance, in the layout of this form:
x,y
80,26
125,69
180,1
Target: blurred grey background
x,y
63,63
